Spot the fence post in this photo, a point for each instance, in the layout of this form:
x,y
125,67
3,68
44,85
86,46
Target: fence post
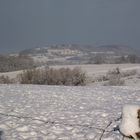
x,y
130,124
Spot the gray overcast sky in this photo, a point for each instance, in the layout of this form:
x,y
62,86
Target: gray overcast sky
x,y
32,23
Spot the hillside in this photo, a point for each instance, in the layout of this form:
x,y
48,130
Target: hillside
x,y
116,49
14,63
81,54
30,112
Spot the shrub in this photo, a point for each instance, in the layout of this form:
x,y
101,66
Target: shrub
x,y
30,77
114,78
129,73
50,76
5,80
116,81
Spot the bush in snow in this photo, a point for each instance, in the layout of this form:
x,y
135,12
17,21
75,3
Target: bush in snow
x,y
32,76
50,76
5,80
114,78
130,125
129,73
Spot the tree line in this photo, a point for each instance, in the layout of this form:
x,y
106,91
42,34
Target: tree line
x,y
13,63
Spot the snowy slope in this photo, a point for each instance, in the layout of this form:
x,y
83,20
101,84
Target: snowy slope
x,y
30,112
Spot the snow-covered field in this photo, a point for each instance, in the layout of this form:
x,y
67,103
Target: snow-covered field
x,y
100,69
95,72
30,112
90,69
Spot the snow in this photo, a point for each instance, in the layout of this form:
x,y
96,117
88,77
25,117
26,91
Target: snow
x,y
59,112
97,70
130,121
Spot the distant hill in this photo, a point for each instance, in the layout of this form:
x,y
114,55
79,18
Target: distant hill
x,y
121,50
73,53
116,49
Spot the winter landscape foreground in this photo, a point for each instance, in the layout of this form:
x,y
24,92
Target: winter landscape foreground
x,y
30,112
